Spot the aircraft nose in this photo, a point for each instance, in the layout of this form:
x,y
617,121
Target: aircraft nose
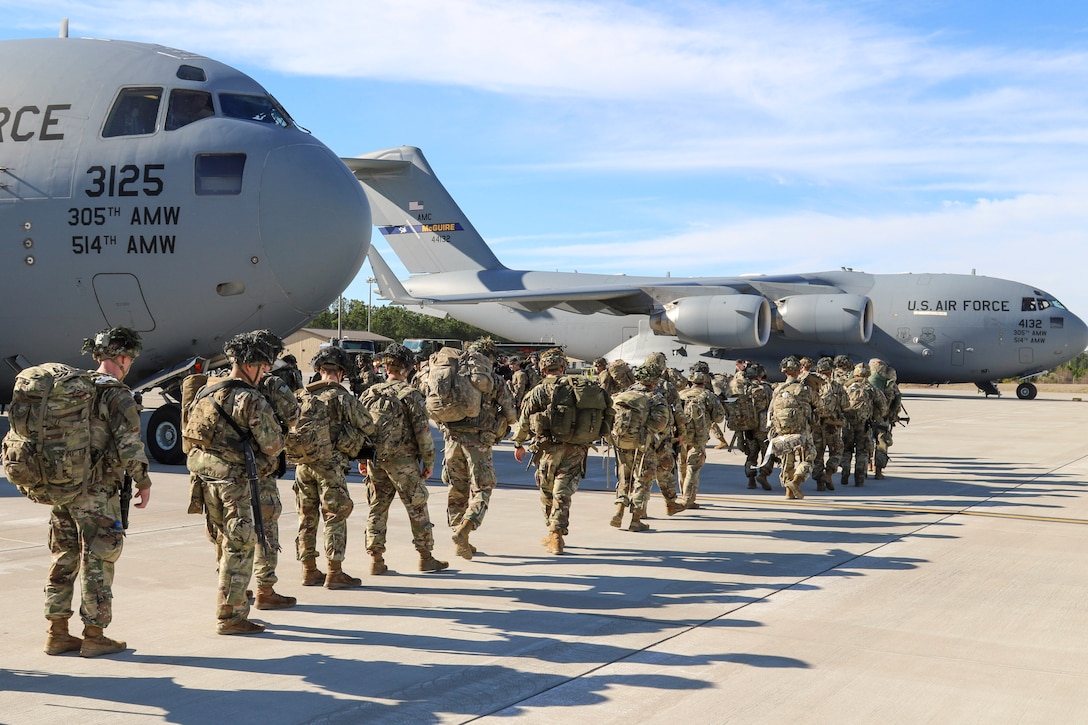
x,y
1076,333
312,208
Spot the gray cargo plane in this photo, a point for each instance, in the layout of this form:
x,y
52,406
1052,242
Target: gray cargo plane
x,y
150,187
932,328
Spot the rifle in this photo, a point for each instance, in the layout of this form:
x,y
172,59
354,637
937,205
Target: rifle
x,y
126,499
251,474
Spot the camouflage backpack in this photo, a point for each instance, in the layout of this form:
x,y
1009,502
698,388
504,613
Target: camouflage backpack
x,y
198,421
790,408
630,429
621,373
455,381
320,432
575,412
740,411
861,405
47,453
386,405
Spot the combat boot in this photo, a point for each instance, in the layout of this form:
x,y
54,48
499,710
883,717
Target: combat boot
x,y
637,524
311,575
617,518
339,579
691,505
427,562
879,474
820,485
553,542
673,507
762,478
828,484
793,490
377,564
463,548
267,598
845,480
95,643
859,479
751,480
58,641
238,626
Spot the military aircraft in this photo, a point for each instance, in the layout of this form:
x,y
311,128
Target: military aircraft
x,y
932,328
158,189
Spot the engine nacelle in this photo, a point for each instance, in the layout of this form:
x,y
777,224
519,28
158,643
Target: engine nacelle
x,y
730,321
832,319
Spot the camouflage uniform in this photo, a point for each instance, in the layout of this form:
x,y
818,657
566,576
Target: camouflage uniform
x,y
753,434
321,490
467,464
560,466
883,378
403,448
637,467
85,536
694,450
220,467
364,375
831,405
856,434
519,385
791,413
667,445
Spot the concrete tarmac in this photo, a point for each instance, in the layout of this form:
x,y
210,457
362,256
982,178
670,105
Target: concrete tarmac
x,y
956,590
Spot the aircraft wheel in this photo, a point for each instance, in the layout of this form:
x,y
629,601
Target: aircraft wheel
x,y
164,435
1026,391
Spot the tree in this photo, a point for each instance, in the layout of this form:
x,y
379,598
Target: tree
x,y
397,322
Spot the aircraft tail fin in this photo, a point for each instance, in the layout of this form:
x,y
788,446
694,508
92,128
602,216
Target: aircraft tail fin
x,y
417,216
389,287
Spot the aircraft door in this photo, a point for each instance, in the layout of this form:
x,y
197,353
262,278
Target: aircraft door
x,y
957,353
122,301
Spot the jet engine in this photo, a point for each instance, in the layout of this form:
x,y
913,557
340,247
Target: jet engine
x,y
834,319
730,321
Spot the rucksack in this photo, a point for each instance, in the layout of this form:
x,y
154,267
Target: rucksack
x,y
576,410
791,408
695,409
455,383
320,432
630,428
47,453
386,407
861,405
740,411
198,422
621,373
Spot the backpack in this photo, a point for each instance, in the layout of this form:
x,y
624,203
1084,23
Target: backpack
x,y
861,405
455,381
47,453
630,428
740,411
386,408
576,410
790,408
198,422
691,399
320,432
621,373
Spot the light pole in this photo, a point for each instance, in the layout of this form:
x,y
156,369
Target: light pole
x,y
369,299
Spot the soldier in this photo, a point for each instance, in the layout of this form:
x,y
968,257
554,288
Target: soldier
x,y
519,382
289,373
85,537
641,414
703,410
883,378
468,467
831,405
745,408
332,427
791,414
866,402
560,464
232,429
844,369
403,461
364,375
667,446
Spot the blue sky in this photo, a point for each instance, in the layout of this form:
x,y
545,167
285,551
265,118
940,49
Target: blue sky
x,y
690,137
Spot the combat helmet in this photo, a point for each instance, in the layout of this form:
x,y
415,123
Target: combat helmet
x,y
790,364
842,362
824,365
332,357
398,356
111,342
647,372
253,348
699,378
484,346
861,370
700,366
753,371
552,359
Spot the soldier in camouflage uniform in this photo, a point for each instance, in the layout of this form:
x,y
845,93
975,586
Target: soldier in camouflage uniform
x,y
364,375
403,461
226,415
791,413
289,373
844,369
883,377
560,465
468,467
866,402
668,444
519,382
321,489
85,536
708,411
637,465
831,405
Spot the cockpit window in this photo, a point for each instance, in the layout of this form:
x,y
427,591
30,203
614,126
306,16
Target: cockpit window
x,y
253,108
133,113
1038,304
187,107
